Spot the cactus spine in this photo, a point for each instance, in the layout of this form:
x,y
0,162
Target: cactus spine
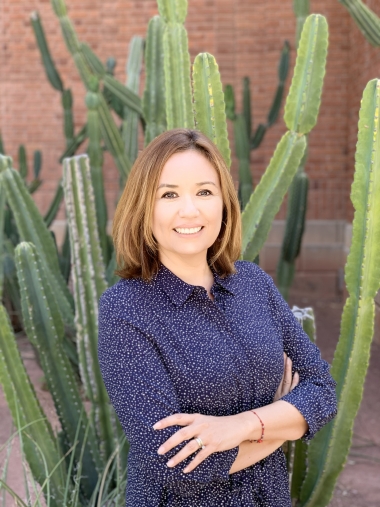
x,y
209,106
362,274
179,109
89,283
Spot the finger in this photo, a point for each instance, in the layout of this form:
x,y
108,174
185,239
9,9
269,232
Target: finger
x,y
179,436
189,449
171,420
287,377
198,458
295,381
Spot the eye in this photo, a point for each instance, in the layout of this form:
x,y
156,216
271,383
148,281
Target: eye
x,y
208,192
168,195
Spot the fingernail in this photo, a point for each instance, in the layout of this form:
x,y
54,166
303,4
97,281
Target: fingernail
x,y
156,426
185,470
160,450
170,463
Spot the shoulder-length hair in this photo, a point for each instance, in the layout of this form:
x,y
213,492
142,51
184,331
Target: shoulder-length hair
x,y
135,246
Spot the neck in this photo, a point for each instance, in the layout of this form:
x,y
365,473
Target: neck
x,y
194,272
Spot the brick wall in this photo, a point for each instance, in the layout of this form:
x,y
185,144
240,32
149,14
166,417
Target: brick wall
x,y
246,37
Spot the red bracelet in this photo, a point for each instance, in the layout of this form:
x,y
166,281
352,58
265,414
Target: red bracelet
x,y
262,429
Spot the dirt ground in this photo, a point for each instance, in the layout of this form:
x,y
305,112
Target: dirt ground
x,y
359,483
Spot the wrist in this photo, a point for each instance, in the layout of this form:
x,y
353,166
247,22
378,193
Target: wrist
x,y
252,429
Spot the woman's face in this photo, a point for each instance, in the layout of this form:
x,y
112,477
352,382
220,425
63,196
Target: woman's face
x,y
188,209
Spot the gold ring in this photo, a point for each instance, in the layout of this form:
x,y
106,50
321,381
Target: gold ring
x,y
199,442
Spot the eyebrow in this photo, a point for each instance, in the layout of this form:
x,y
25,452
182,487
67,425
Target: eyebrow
x,y
176,186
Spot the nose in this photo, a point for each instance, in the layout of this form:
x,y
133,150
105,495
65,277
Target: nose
x,y
188,207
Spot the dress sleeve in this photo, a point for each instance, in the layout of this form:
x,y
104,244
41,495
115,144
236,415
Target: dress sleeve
x,y
315,395
142,393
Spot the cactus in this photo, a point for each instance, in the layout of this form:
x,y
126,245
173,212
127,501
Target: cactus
x,y
362,274
2,252
95,154
67,104
44,327
265,201
131,118
54,205
39,443
31,227
243,153
301,10
154,94
179,109
209,106
89,283
367,21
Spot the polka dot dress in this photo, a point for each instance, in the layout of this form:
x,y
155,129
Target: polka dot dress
x,y
165,347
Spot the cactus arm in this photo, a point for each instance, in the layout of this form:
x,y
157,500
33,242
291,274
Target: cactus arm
x,y
367,21
229,99
95,154
154,93
67,104
44,327
247,105
89,283
50,69
304,98
127,97
31,227
329,450
179,110
22,162
95,65
283,68
37,163
54,205
27,413
266,199
209,106
131,118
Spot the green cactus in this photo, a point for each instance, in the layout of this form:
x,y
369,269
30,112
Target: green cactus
x,y
131,118
89,283
39,443
154,94
95,154
2,237
45,329
367,21
265,201
209,106
75,143
54,205
67,104
329,449
179,109
243,153
301,10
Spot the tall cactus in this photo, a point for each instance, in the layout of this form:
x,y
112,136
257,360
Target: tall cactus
x,y
179,109
209,106
31,227
39,443
367,21
44,327
131,118
301,111
329,449
89,283
154,94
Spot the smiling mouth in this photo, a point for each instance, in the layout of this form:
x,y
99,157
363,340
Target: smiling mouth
x,y
193,230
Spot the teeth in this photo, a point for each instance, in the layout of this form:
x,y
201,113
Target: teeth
x,y
188,231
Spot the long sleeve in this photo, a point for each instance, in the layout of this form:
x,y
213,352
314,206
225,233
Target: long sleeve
x,y
142,393
315,395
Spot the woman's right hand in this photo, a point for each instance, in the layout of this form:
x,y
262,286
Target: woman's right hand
x,y
288,382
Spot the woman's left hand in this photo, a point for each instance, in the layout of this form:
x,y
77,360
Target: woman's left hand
x,y
217,434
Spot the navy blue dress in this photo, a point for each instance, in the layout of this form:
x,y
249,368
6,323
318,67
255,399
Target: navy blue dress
x,y
165,347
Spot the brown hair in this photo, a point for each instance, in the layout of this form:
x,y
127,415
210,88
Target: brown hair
x,y
135,246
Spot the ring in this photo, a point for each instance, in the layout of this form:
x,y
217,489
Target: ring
x,y
199,442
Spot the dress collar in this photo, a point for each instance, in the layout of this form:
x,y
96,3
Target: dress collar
x,y
178,290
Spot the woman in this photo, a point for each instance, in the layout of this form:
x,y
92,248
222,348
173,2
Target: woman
x,y
192,341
